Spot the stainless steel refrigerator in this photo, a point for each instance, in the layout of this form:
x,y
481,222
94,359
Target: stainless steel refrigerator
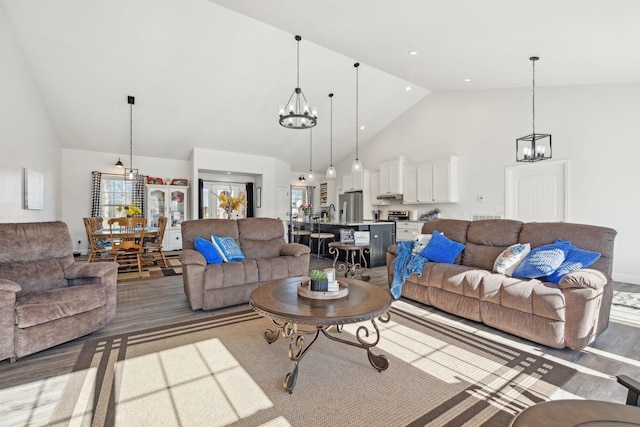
x,y
350,205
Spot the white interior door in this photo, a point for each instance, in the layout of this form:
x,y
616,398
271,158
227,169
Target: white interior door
x,y
282,203
538,192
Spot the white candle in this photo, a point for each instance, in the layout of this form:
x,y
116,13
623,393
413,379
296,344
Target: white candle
x,y
331,274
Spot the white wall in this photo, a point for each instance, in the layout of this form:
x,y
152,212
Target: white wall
x,y
27,136
595,127
269,172
77,166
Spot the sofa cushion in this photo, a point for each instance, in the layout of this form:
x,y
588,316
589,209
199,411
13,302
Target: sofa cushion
x,y
486,239
42,307
261,237
441,249
542,260
507,262
576,259
210,251
230,249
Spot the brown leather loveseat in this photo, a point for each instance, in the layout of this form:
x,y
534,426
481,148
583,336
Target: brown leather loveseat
x,y
267,257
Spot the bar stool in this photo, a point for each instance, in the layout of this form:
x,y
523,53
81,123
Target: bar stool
x,y
320,237
297,234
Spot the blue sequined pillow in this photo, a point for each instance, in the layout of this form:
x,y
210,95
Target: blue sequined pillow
x,y
576,259
208,250
543,260
441,249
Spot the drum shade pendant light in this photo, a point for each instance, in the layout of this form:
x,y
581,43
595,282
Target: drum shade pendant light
x,y
297,114
356,166
310,177
537,146
130,173
331,171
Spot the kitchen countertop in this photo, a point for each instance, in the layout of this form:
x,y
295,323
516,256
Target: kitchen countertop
x,y
352,224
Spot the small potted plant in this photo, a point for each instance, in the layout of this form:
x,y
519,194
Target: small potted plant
x,y
319,281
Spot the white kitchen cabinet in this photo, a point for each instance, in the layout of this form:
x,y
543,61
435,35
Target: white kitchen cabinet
x,y
406,230
391,176
432,182
374,190
169,201
353,182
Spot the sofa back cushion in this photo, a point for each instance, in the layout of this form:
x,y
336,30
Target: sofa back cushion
x,y
588,237
453,229
261,237
486,239
35,255
205,228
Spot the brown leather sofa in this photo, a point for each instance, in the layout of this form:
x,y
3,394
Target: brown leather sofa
x,y
267,257
46,298
571,313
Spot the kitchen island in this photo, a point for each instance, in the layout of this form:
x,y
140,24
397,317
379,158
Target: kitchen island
x,y
381,236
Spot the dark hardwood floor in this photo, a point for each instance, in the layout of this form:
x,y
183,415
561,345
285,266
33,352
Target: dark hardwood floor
x,y
30,387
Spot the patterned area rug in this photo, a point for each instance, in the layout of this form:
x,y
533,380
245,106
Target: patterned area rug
x,y
155,270
219,371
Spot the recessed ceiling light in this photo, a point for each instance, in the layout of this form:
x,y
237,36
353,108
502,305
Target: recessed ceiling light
x,y
467,80
413,52
408,88
362,127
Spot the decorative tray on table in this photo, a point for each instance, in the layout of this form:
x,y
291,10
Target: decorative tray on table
x,y
305,291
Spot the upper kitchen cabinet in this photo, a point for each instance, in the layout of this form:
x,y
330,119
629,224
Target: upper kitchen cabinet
x,y
375,190
353,182
391,176
432,182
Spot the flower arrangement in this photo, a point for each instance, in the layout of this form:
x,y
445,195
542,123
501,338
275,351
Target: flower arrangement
x,y
129,210
230,203
306,208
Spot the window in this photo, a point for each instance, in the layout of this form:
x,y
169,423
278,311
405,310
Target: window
x,y
115,191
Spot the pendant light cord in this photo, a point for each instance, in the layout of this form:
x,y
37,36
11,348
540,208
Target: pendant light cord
x,y
298,38
310,150
331,132
131,138
357,65
533,95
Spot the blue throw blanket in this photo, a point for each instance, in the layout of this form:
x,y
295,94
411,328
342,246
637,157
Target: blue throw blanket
x,y
406,265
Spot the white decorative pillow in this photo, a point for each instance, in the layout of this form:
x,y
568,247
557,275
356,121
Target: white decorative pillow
x,y
420,241
511,258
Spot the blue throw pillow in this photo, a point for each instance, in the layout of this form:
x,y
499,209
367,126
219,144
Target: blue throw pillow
x,y
576,259
542,261
441,249
229,248
206,248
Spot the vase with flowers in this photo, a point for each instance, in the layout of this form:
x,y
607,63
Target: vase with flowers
x,y
230,203
129,210
305,209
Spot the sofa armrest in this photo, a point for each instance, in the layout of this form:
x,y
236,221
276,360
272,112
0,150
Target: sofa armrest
x,y
95,270
7,285
393,249
294,249
191,257
585,278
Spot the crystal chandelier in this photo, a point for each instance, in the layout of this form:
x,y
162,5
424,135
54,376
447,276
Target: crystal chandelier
x,y
297,114
537,146
331,171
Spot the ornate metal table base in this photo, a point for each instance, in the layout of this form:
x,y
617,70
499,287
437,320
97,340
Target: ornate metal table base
x,y
298,349
350,267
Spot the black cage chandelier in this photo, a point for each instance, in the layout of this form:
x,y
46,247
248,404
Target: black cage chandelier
x,y
537,146
297,113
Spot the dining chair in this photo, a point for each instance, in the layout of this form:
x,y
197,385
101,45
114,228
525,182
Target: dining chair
x,y
99,247
127,239
153,246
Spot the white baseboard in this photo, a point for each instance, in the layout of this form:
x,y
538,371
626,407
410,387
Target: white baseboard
x,y
626,278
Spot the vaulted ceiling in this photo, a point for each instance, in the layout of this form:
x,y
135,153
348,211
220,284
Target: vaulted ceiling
x,y
213,73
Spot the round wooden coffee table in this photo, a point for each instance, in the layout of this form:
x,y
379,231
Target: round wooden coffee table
x,y
280,302
574,413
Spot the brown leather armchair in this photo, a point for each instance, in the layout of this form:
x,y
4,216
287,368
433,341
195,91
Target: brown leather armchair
x,y
46,298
